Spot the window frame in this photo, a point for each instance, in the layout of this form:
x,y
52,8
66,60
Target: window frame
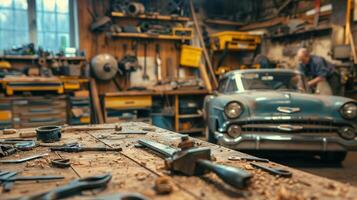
x,y
73,24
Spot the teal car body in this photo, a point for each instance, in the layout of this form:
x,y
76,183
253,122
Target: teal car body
x,y
273,109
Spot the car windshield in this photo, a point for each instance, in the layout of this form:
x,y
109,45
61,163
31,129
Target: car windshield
x,y
288,81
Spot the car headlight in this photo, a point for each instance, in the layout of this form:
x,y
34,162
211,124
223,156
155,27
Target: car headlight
x,y
233,110
349,111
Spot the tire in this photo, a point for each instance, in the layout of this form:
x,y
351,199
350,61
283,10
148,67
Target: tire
x,y
210,136
335,157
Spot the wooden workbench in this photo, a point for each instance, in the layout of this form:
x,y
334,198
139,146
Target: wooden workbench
x,y
136,169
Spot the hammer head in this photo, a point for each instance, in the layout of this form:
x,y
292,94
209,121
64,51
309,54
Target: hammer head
x,y
185,161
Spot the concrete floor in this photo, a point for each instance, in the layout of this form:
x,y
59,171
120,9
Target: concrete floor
x,y
345,172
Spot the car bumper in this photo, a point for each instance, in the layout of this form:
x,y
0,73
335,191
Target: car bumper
x,y
293,142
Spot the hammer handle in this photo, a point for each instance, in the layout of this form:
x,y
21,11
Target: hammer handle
x,y
233,176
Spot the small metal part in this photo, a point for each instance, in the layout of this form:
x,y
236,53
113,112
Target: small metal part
x,y
61,163
24,159
49,134
274,171
237,158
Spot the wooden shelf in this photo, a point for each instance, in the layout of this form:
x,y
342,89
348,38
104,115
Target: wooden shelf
x,y
149,36
35,57
188,116
152,17
309,31
192,130
157,93
223,22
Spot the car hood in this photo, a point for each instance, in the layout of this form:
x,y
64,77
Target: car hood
x,y
266,103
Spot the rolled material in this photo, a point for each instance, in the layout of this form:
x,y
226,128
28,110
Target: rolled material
x,y
135,9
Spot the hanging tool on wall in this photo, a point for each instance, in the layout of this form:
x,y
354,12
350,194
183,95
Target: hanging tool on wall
x,y
145,73
158,64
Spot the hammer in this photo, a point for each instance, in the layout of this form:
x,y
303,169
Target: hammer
x,y
197,161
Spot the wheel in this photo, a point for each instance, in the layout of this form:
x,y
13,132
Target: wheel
x,y
210,136
333,157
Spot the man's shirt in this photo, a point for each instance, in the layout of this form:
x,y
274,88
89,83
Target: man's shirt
x,y
317,66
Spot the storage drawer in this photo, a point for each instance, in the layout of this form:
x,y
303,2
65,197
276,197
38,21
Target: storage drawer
x,y
54,121
5,115
127,102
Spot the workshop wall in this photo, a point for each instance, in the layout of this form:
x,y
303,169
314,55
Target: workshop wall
x,y
96,43
277,50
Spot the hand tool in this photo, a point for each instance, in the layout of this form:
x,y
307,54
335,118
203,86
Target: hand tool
x,y
122,196
20,144
24,159
94,128
7,185
61,163
6,150
77,148
196,161
131,132
235,158
73,188
158,64
7,179
145,74
274,171
49,134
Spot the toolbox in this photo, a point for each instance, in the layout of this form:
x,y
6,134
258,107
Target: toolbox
x,y
125,102
39,111
234,40
190,56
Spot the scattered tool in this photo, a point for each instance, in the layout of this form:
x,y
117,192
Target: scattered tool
x,y
24,159
158,64
94,128
61,163
128,132
77,148
49,134
6,185
20,144
196,161
145,74
8,178
123,196
73,188
274,171
27,134
235,158
6,150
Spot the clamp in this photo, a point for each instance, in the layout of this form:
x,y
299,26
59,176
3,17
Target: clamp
x,y
61,163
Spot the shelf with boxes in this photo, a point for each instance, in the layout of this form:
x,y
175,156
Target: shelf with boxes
x,y
175,110
41,90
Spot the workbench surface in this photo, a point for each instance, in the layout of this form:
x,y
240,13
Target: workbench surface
x,y
136,169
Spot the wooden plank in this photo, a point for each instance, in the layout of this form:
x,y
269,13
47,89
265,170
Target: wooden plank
x,y
151,17
136,169
150,36
96,102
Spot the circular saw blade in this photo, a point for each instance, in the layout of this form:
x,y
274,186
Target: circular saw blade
x,y
104,66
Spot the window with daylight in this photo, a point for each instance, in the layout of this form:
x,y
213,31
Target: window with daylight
x,y
49,24
53,27
14,26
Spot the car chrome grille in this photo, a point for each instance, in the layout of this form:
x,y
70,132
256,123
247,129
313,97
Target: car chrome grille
x,y
289,126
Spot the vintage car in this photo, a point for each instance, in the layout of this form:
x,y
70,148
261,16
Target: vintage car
x,y
273,109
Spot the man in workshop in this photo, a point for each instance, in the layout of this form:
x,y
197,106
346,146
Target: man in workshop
x,y
322,75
